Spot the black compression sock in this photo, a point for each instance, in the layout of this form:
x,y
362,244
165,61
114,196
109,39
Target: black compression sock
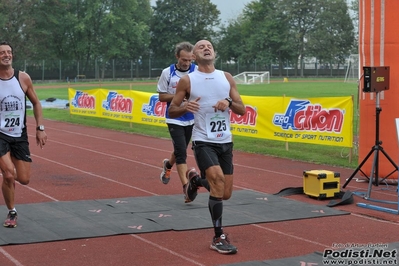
x,y
216,209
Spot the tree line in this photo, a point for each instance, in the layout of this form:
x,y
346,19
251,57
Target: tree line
x,y
277,31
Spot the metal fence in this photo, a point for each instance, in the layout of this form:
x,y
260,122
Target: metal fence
x,y
125,69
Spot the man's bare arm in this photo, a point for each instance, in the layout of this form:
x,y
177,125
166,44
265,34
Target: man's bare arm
x,y
176,107
165,97
26,82
237,106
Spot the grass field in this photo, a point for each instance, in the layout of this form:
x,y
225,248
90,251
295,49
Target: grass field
x,y
301,88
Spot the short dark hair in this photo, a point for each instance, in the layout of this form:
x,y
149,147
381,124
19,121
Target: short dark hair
x,y
183,46
7,43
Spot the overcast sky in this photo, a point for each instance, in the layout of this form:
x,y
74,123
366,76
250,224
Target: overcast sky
x,y
229,9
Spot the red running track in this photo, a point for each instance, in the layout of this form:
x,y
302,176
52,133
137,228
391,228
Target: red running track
x,y
82,163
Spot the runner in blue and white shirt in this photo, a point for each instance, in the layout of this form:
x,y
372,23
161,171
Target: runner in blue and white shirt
x,y
180,128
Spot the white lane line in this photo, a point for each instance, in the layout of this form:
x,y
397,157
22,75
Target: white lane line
x,y
292,236
39,192
99,176
318,243
168,250
374,219
11,258
268,171
106,154
106,139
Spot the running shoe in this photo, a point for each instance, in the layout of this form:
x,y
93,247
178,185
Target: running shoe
x,y
11,220
165,175
186,199
222,245
191,188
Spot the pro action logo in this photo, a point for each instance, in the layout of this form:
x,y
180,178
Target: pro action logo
x,y
117,103
301,115
83,100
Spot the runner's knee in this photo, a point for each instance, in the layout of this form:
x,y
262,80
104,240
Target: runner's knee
x,y
8,177
181,155
23,179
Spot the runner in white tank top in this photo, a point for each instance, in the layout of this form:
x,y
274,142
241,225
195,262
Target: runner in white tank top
x,y
180,128
210,126
15,86
212,95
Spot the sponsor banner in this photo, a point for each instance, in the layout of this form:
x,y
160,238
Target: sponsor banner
x,y
325,121
149,109
116,105
84,102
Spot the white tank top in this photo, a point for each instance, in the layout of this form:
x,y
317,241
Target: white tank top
x,y
210,126
12,106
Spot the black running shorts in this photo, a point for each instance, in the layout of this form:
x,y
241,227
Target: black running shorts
x,y
181,136
208,154
17,146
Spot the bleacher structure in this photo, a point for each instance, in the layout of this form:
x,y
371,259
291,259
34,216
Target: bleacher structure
x,y
253,77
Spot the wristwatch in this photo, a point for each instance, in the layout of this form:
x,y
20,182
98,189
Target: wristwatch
x,y
229,100
40,127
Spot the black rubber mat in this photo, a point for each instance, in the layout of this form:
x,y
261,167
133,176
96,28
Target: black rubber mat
x,y
52,221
